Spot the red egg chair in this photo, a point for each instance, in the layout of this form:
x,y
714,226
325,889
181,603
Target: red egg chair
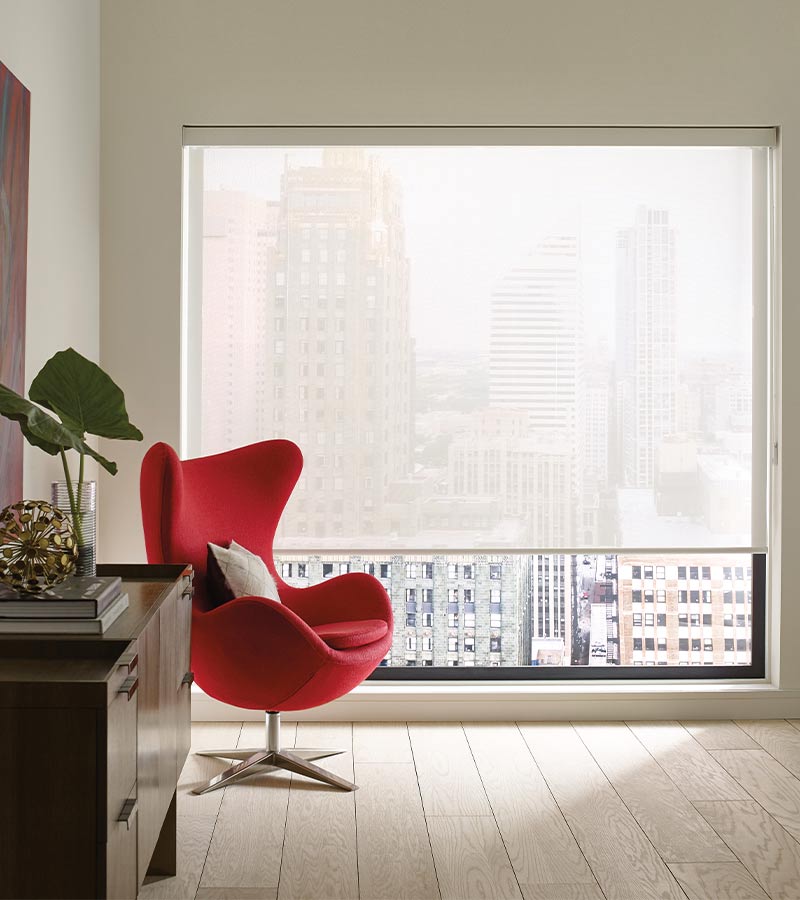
x,y
317,644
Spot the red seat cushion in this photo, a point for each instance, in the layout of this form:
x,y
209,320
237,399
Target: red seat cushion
x,y
346,635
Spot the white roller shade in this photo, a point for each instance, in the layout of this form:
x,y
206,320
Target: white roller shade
x,y
523,339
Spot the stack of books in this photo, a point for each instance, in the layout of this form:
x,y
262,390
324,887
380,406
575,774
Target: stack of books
x,y
83,604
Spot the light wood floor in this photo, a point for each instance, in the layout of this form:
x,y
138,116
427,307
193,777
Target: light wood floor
x,y
542,811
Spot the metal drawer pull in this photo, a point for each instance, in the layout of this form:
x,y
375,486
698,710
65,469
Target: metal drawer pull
x,y
188,678
128,812
129,660
129,686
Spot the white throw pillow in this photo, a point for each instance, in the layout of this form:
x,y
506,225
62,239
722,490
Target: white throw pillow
x,y
245,573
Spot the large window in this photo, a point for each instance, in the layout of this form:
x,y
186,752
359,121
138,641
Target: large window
x,y
517,354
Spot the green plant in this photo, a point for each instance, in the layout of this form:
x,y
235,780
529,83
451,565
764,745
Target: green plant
x,y
86,401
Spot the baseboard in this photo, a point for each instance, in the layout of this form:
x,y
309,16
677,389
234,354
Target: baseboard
x,y
513,702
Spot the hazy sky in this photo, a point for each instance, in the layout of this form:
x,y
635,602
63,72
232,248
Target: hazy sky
x,y
472,212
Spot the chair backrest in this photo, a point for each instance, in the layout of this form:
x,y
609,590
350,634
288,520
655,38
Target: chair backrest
x,y
238,495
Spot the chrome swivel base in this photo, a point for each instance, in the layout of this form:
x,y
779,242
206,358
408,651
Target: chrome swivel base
x,y
269,759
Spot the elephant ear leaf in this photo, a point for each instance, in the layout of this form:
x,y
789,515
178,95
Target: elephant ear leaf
x,y
85,399
42,430
38,427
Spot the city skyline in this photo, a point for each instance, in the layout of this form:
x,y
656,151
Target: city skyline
x,y
513,610
452,194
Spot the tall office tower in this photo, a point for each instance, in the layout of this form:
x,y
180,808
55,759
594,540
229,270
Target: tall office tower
x,y
646,349
597,406
551,586
339,341
685,611
239,233
536,351
467,610
597,431
536,339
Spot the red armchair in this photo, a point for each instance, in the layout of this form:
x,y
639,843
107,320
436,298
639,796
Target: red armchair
x,y
314,646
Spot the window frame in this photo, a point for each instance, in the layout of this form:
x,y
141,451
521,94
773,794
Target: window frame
x,y
764,420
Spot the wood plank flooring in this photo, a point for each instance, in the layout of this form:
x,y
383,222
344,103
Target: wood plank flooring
x,y
530,811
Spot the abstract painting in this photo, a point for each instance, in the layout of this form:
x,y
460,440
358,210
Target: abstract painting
x,y
15,119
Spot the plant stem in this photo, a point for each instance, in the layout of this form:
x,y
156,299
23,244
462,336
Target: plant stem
x,y
76,513
79,504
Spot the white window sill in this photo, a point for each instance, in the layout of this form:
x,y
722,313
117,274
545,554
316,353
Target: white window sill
x,y
565,700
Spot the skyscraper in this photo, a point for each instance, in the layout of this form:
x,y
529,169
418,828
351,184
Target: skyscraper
x,y
597,408
536,367
647,383
239,234
339,339
536,338
551,601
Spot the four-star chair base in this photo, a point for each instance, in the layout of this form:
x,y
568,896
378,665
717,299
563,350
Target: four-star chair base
x,y
271,758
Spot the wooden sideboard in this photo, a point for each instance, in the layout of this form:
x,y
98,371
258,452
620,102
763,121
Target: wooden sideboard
x,y
94,731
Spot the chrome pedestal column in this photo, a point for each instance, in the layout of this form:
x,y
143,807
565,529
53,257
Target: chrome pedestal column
x,y
256,761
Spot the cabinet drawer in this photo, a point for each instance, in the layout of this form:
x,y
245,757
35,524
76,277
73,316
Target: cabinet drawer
x,y
121,745
126,665
120,850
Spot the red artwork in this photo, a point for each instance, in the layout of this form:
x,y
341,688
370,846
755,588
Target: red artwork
x,y
15,121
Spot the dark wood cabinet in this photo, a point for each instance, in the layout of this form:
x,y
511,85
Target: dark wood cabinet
x,y
94,731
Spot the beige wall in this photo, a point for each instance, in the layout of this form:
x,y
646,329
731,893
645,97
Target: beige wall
x,y
166,63
52,46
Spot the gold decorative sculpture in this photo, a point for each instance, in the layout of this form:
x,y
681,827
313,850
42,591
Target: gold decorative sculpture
x,y
37,546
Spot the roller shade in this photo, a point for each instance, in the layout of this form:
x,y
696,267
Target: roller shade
x,y
487,339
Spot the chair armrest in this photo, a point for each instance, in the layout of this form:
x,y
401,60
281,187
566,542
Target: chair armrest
x,y
341,599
